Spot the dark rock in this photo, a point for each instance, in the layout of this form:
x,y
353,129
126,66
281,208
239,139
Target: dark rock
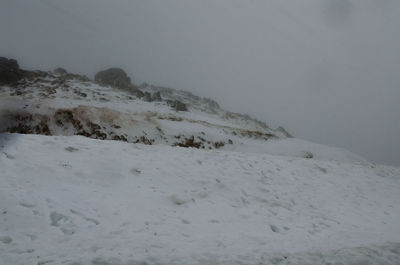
x,y
115,77
29,124
10,72
308,155
136,92
60,71
120,138
80,93
143,139
177,105
35,75
189,142
157,96
219,144
147,97
83,78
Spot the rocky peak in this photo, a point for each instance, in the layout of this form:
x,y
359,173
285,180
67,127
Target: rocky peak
x,y
10,72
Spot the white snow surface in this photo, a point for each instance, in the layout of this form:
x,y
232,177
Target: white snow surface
x,y
76,201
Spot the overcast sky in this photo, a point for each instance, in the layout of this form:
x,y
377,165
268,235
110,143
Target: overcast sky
x,y
327,70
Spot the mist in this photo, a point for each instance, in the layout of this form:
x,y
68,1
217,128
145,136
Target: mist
x,y
326,70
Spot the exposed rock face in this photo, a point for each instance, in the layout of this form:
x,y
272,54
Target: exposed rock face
x,y
115,77
157,96
10,72
147,97
152,97
177,105
34,74
137,92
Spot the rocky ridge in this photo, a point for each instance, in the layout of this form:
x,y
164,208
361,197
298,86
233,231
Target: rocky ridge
x,y
111,107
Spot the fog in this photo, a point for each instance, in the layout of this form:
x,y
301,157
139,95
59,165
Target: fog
x,y
327,70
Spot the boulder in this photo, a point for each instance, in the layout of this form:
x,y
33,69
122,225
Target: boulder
x,y
115,77
60,71
10,72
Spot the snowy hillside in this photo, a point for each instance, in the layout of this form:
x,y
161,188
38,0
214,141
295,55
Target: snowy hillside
x,y
53,104
74,200
102,175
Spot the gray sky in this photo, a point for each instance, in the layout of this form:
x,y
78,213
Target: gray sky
x,y
327,70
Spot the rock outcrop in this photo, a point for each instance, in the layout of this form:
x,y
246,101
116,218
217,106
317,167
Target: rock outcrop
x,y
157,96
60,71
10,73
177,105
115,77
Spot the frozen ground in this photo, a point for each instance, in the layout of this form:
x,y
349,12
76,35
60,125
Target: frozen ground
x,y
79,201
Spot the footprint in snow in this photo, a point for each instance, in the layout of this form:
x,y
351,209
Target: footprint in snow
x,y
26,204
274,228
179,200
57,218
185,221
65,165
136,171
71,149
88,219
5,239
323,170
63,222
9,156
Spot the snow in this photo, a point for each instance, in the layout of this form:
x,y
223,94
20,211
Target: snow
x,y
297,148
74,200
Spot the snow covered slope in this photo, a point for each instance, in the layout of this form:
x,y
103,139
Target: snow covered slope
x,y
67,105
111,184
54,104
74,200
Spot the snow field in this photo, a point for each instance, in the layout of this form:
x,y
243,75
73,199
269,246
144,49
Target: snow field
x,y
73,200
